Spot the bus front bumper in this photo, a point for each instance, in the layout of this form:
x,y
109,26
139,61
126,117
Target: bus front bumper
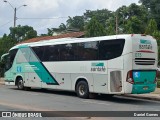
x,y
7,82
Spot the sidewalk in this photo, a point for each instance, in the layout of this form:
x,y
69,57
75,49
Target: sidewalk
x,y
1,81
150,96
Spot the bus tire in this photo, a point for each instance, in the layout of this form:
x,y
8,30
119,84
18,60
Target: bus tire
x,y
20,84
82,89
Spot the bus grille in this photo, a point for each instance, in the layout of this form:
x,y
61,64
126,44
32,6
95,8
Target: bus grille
x,y
144,61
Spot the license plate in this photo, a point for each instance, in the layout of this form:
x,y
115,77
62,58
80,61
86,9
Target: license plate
x,y
145,88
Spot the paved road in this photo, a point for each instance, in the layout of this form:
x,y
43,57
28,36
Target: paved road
x,y
49,100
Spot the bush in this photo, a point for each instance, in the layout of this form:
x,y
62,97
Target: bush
x,y
158,84
158,75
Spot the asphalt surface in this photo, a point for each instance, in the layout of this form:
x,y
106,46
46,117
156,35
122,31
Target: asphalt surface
x,y
56,100
12,99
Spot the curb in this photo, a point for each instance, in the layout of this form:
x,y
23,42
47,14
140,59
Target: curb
x,y
147,97
2,83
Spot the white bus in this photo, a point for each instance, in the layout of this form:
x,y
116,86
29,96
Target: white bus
x,y
117,64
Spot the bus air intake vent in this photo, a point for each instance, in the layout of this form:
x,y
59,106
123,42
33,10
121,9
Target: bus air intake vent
x,y
144,61
115,81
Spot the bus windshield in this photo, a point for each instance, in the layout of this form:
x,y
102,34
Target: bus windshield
x,y
4,56
4,60
8,59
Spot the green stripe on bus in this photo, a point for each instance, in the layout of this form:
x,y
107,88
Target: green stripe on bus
x,y
98,64
43,73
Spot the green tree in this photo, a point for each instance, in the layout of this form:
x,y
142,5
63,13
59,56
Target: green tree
x,y
134,25
122,16
30,34
50,31
42,35
111,30
137,10
156,34
128,15
153,8
62,27
21,33
101,16
6,42
110,26
76,22
151,27
94,28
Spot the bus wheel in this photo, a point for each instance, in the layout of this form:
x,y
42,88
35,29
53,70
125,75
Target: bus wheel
x,y
82,89
20,84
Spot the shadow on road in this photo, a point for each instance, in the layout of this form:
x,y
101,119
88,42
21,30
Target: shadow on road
x,y
49,91
103,97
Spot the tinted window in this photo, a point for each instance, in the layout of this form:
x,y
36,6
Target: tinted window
x,y
110,49
10,58
87,51
96,50
51,53
39,51
67,52
12,54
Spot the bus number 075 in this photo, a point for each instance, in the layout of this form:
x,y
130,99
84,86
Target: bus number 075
x,y
138,55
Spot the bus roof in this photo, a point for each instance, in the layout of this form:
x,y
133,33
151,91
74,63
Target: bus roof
x,y
74,40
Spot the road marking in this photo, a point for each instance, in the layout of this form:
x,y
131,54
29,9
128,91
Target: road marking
x,y
93,102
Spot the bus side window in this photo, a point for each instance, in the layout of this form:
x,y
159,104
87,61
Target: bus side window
x,y
51,53
39,51
67,52
88,50
110,49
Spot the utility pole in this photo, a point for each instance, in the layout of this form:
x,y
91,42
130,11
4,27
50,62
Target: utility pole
x,y
15,10
15,18
116,24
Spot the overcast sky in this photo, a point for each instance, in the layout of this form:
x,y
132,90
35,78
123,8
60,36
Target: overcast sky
x,y
58,9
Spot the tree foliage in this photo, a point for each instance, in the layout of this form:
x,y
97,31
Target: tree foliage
x,y
134,25
21,33
101,15
151,27
110,30
16,35
76,22
94,28
132,19
62,29
153,8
